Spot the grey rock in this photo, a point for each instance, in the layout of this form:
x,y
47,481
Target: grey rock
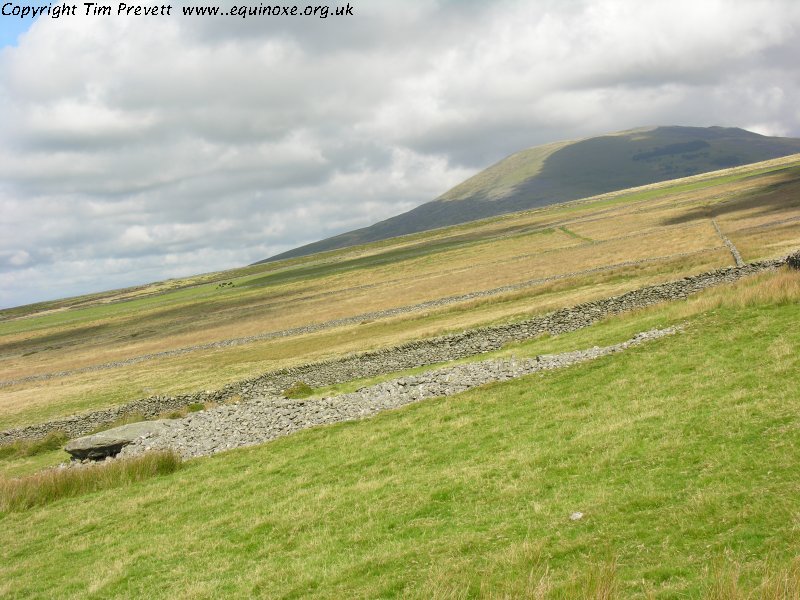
x,y
109,443
264,419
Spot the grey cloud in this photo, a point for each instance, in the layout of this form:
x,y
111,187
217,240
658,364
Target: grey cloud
x,y
131,152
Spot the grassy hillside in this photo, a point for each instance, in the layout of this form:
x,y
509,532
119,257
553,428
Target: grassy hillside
x,y
682,455
564,171
68,356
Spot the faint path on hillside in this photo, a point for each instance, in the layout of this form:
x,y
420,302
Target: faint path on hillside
x,y
731,246
353,320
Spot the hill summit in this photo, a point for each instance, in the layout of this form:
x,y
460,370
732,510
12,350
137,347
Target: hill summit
x,y
564,171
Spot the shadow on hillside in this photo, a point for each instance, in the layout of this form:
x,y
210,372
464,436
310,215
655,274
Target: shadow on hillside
x,y
774,198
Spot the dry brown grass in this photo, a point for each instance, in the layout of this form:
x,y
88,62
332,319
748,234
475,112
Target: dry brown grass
x,y
782,287
406,288
762,243
502,251
727,582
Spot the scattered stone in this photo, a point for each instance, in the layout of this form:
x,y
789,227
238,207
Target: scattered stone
x,y
374,363
576,516
109,443
262,419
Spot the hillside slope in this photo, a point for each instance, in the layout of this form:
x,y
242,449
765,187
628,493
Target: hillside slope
x,y
206,332
565,171
682,464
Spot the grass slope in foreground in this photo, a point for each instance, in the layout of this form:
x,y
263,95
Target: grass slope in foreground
x,y
682,454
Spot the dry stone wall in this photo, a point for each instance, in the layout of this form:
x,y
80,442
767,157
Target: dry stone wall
x,y
344,321
263,419
413,354
729,243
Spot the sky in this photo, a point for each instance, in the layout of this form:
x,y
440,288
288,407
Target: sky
x,y
135,149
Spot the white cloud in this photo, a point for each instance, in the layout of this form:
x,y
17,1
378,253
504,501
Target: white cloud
x,y
133,150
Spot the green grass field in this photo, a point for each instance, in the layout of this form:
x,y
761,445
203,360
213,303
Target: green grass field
x,y
682,454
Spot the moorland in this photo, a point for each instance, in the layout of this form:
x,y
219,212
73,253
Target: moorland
x,y
681,455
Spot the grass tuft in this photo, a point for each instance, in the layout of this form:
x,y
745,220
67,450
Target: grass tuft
x,y
778,583
48,486
298,390
185,410
593,581
782,583
25,448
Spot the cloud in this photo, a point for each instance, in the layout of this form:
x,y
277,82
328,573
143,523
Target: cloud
x,y
133,150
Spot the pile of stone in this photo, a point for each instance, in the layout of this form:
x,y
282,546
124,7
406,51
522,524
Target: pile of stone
x,y
107,443
263,419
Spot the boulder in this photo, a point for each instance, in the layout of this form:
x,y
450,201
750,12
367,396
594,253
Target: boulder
x,y
108,443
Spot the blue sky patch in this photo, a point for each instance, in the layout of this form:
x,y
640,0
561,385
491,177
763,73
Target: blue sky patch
x,y
11,28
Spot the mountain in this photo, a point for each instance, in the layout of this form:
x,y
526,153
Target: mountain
x,y
570,170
